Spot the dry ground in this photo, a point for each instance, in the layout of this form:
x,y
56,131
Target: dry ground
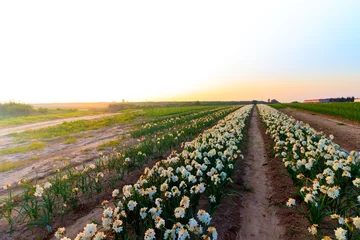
x,y
255,208
33,126
346,133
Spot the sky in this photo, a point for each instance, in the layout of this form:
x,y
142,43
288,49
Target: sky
x,y
100,51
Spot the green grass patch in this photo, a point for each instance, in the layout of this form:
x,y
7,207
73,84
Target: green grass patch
x,y
86,151
34,157
6,165
70,140
278,105
111,143
53,115
86,135
347,110
24,148
67,128
164,111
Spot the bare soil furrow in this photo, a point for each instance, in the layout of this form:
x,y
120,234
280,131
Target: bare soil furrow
x,y
258,216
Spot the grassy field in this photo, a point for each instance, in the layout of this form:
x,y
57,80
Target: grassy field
x,y
347,110
67,128
24,148
164,111
6,165
52,115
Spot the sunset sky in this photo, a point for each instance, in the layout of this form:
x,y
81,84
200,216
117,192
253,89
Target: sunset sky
x,y
68,51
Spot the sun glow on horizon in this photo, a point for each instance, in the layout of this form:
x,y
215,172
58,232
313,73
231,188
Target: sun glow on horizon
x,y
86,51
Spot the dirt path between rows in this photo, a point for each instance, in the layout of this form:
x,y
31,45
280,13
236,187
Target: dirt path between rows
x,y
33,126
259,219
346,134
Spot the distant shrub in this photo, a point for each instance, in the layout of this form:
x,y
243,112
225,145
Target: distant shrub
x,y
115,107
15,109
43,110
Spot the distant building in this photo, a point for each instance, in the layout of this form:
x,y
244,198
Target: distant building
x,y
326,100
318,100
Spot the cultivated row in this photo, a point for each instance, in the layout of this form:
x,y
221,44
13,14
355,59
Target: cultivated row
x,y
327,177
164,202
38,204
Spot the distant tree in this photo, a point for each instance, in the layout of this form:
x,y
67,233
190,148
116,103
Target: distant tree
x,y
274,101
123,100
15,109
43,110
254,102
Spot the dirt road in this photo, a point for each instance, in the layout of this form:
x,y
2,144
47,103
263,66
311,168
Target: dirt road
x,y
58,154
346,134
32,126
259,219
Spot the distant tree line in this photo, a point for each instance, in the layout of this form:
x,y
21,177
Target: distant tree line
x,y
118,106
15,109
342,99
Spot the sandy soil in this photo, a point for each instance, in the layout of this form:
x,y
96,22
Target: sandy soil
x,y
254,208
32,126
57,155
259,219
283,189
346,133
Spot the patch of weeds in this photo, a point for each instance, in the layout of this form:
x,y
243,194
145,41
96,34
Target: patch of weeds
x,y
34,157
87,135
71,140
60,159
111,143
6,165
23,148
86,151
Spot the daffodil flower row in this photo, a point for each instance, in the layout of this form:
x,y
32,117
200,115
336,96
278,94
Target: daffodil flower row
x,y
164,201
39,203
326,176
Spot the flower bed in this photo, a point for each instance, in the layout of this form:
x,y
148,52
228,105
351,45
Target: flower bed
x,y
163,203
38,204
327,177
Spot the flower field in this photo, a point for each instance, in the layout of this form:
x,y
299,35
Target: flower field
x,y
38,204
327,178
163,203
169,177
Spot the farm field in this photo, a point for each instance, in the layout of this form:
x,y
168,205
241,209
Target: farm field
x,y
346,110
346,133
180,120
216,172
72,141
49,114
183,122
